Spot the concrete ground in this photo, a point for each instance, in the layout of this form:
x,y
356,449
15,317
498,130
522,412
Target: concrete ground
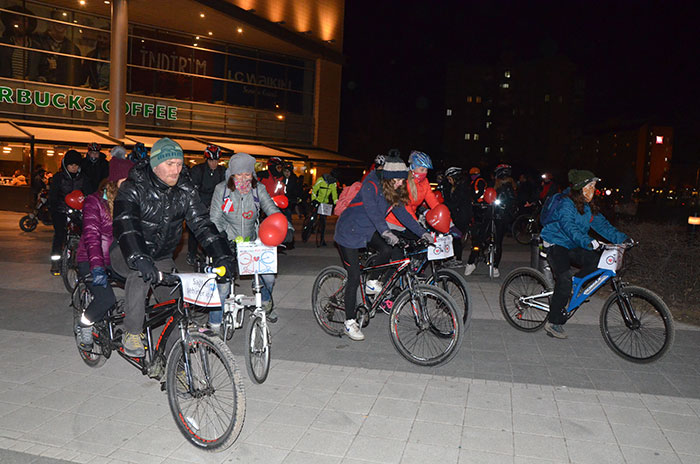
x,y
508,396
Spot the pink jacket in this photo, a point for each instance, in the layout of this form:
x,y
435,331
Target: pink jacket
x,y
97,232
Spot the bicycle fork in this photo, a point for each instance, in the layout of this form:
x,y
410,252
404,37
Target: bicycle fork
x,y
623,302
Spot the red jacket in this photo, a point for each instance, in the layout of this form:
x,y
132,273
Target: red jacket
x,y
425,193
97,232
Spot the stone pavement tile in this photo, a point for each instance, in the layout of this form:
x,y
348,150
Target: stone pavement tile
x,y
57,378
80,446
125,455
386,427
293,415
24,394
6,408
329,381
402,391
684,442
540,447
489,440
490,419
248,453
654,383
635,455
443,413
564,394
541,407
431,433
409,378
62,428
584,452
621,399
282,436
308,397
105,406
286,377
677,422
376,449
574,377
496,402
358,404
456,395
469,456
158,441
27,418
629,416
641,437
360,386
338,421
687,385
489,388
113,433
299,457
324,442
537,425
590,431
264,392
391,407
665,404
89,383
581,411
140,412
416,453
61,400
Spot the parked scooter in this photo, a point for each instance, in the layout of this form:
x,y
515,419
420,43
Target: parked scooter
x,y
40,213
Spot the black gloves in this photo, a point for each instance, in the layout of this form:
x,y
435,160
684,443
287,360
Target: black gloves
x,y
148,270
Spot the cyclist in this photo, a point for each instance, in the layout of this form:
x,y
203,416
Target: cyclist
x,y
205,177
68,179
478,183
272,179
95,166
458,199
235,211
363,223
93,250
292,185
567,242
149,211
548,187
325,190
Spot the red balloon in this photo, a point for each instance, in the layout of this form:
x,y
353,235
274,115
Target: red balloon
x,y
281,201
438,195
75,199
439,218
273,229
490,195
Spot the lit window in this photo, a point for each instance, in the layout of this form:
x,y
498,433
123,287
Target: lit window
x,y
449,112
546,98
476,136
500,149
666,160
487,149
467,136
488,124
505,85
488,112
478,99
507,74
469,99
659,139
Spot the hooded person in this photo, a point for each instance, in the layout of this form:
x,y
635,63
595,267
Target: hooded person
x,y
235,211
95,165
567,242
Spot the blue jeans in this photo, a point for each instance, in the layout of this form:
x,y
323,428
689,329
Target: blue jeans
x,y
268,283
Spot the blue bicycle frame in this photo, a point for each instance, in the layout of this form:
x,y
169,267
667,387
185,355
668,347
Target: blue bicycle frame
x,y
580,296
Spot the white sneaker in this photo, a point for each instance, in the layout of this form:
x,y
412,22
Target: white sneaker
x,y
496,273
352,329
373,287
469,268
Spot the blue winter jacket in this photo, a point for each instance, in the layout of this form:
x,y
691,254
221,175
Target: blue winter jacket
x,y
366,214
570,229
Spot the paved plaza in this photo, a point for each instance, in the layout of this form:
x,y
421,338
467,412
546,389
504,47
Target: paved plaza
x,y
507,397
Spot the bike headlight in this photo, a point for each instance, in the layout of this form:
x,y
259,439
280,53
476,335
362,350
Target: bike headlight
x,y
497,202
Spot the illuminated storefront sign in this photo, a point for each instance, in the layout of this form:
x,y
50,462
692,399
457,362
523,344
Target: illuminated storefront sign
x,y
88,104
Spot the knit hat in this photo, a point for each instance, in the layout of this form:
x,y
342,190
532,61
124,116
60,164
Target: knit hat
x,y
118,152
165,149
72,157
240,163
394,168
580,179
119,168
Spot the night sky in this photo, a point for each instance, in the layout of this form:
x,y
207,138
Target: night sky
x,y
639,60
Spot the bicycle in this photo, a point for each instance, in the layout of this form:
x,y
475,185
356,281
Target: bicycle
x,y
196,369
28,222
635,322
422,317
526,225
69,253
487,249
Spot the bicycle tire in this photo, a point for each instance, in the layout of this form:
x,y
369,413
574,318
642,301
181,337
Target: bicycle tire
x,y
456,286
308,227
442,326
522,229
655,330
328,300
257,353
204,432
227,327
69,264
524,282
80,299
28,223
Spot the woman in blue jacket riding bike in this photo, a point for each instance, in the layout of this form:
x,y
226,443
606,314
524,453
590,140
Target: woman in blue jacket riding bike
x,y
567,242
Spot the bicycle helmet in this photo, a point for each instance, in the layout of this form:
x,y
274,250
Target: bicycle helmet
x,y
453,171
474,171
212,152
138,153
418,159
274,161
503,170
547,176
94,147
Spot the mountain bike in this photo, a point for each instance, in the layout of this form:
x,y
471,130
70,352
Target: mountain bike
x,y
526,225
424,324
195,368
69,253
635,322
28,222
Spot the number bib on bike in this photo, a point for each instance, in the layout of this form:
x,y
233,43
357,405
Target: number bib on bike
x,y
254,257
611,259
442,249
200,289
325,209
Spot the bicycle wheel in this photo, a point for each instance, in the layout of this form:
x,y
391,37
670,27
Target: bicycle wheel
x,y
69,264
328,300
648,332
81,299
456,286
28,223
309,226
524,295
210,410
523,228
257,353
429,331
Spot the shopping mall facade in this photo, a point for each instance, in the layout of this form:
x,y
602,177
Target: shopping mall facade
x,y
256,76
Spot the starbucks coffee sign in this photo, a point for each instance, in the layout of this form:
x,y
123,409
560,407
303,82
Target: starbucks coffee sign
x,y
88,104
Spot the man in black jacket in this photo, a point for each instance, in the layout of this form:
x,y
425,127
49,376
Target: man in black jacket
x,y
148,215
95,166
205,177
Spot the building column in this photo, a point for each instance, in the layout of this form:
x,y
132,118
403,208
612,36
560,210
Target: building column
x,y
117,70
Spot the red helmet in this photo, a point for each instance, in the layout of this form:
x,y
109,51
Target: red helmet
x,y
212,152
94,147
274,161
